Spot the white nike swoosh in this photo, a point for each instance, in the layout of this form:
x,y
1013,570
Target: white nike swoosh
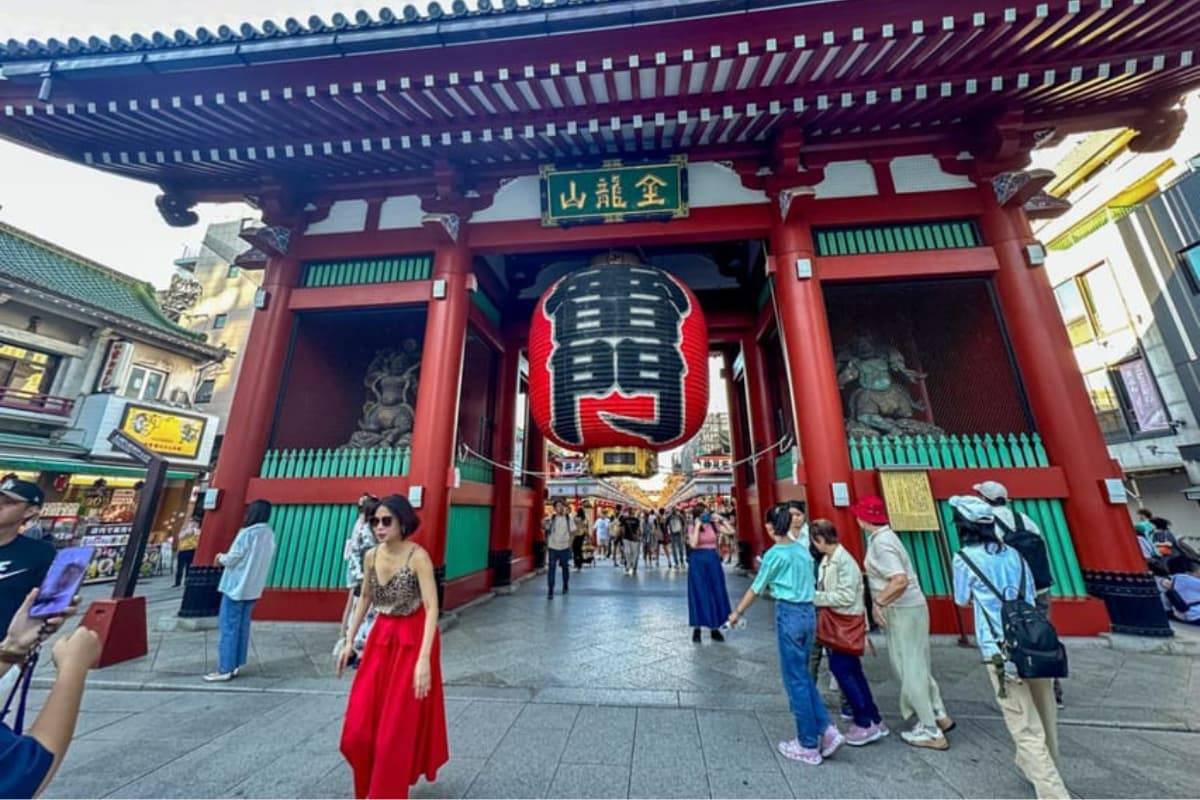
x,y
9,575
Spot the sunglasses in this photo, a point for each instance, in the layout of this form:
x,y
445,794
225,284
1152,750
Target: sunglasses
x,y
384,521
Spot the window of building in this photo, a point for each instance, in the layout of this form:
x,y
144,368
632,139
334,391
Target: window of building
x,y
219,321
25,370
1105,403
145,383
1074,312
204,392
1106,307
233,272
1191,262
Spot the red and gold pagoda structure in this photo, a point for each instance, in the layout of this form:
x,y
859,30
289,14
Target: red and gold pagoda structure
x,y
845,185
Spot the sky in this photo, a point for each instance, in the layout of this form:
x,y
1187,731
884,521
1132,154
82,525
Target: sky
x,y
109,219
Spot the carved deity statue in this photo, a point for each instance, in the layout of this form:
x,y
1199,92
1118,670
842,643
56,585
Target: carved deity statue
x,y
879,405
391,382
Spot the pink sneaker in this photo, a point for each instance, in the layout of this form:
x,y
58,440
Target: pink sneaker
x,y
831,740
795,751
857,737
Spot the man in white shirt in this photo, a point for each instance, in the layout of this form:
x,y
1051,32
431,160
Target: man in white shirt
x,y
601,529
558,547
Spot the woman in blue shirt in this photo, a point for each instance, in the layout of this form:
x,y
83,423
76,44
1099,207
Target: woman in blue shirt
x,y
787,571
1028,706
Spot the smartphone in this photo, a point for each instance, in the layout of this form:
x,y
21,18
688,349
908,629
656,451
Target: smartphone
x,y
62,582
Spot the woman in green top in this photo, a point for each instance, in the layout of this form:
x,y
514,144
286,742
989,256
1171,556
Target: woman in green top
x,y
787,571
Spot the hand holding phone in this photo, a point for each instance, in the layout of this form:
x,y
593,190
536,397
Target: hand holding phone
x,y
58,590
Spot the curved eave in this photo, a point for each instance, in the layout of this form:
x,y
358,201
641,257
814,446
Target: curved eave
x,y
250,45
131,327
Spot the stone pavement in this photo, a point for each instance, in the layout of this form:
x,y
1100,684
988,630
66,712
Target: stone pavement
x,y
601,694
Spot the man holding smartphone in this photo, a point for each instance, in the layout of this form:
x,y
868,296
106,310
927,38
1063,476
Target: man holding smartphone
x,y
23,561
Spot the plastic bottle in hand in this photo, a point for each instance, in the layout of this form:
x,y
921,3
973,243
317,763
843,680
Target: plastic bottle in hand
x,y
741,623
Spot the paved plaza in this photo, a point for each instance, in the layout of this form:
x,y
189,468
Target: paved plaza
x,y
601,694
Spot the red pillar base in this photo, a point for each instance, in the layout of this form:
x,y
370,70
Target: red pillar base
x,y
121,626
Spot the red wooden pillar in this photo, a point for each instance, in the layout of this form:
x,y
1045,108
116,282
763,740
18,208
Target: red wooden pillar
x,y
744,514
762,433
812,373
253,409
435,422
1112,563
500,538
536,460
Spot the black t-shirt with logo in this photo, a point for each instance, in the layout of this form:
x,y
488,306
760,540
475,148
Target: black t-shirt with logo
x,y
23,565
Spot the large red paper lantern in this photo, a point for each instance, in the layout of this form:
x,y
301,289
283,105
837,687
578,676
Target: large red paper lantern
x,y
618,357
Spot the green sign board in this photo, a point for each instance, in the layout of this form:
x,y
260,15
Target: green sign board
x,y
615,193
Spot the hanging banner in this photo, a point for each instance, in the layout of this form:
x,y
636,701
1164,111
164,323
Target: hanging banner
x,y
614,193
1148,409
909,500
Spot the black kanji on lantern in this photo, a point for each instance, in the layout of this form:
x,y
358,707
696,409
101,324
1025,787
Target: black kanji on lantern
x,y
617,328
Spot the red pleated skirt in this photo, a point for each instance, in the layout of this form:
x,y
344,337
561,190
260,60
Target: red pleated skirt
x,y
390,737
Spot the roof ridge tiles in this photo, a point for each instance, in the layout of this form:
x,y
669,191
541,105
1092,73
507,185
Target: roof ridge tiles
x,y
246,31
141,292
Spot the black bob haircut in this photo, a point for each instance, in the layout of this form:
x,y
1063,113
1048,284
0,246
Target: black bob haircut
x,y
257,513
405,516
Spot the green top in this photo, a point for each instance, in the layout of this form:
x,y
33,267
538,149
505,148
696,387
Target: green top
x,y
787,570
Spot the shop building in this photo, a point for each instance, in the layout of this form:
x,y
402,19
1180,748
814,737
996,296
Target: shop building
x,y
1121,262
85,350
842,186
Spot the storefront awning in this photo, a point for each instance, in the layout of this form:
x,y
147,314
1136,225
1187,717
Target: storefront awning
x,y
35,463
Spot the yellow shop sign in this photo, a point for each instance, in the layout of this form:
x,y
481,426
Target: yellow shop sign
x,y
167,433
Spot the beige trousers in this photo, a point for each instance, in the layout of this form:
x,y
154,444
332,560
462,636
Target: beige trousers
x,y
908,650
1032,719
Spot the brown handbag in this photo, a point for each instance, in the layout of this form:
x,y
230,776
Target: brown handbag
x,y
842,633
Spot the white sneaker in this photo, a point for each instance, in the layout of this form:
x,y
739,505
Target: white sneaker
x,y
218,677
920,736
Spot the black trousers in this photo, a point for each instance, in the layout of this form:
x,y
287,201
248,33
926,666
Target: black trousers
x,y
577,551
183,560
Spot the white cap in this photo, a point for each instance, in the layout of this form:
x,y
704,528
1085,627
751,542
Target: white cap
x,y
973,509
991,490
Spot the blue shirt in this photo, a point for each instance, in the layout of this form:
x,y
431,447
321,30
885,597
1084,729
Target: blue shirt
x,y
247,563
24,763
1003,569
787,570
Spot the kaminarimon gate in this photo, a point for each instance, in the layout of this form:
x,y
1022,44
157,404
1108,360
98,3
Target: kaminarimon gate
x,y
844,185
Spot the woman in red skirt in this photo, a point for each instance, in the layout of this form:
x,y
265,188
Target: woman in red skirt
x,y
395,728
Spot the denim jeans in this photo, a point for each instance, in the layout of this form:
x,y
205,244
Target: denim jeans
x,y
796,628
233,624
853,683
558,558
677,549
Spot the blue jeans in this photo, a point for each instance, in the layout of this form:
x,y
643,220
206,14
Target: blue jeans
x,y
233,625
677,551
853,683
557,557
796,628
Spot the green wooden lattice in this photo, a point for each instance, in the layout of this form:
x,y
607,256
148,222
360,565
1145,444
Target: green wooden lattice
x,y
897,238
340,463
347,272
474,469
966,451
784,464
309,540
1047,514
467,532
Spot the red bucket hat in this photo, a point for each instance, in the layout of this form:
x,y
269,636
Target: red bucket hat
x,y
870,509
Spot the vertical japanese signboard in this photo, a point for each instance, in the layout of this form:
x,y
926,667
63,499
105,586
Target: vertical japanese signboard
x,y
614,193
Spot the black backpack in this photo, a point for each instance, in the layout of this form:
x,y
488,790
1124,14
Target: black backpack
x,y
1032,548
1029,641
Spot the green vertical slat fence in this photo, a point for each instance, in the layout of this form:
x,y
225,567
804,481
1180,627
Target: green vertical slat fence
x,y
341,463
309,540
784,463
897,238
1047,514
949,452
348,272
474,469
467,530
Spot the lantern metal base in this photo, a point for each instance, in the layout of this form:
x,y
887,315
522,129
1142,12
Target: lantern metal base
x,y
639,462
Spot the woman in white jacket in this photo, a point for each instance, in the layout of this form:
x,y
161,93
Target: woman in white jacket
x,y
246,566
840,589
